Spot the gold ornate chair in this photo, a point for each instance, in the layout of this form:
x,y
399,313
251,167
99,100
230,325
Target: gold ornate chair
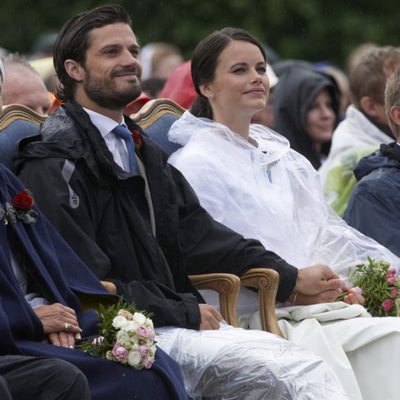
x,y
155,118
226,285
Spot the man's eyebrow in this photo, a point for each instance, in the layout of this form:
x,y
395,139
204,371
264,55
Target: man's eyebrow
x,y
110,46
135,47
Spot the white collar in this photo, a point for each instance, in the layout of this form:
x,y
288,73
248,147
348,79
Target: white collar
x,y
103,123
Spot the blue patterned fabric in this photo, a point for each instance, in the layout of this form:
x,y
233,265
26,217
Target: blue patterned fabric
x,y
9,138
158,133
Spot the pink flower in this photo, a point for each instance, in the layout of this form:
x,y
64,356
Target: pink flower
x,y
141,331
391,279
120,352
393,292
151,333
126,314
387,305
148,362
392,270
144,350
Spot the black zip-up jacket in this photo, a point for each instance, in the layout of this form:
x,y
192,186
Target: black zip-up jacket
x,y
102,213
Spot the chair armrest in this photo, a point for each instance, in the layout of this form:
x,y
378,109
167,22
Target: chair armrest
x,y
109,286
227,286
266,281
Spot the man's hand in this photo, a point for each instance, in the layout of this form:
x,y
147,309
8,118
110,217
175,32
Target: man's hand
x,y
210,317
317,284
316,279
57,318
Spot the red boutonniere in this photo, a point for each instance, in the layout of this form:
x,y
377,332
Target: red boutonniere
x,y
23,201
21,208
137,139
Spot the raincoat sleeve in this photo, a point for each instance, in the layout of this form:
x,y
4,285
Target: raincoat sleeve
x,y
78,227
374,213
203,238
340,180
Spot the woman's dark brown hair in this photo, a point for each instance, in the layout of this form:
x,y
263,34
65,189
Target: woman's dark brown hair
x,y
205,60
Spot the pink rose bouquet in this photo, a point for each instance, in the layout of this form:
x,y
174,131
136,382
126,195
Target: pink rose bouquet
x,y
380,285
126,336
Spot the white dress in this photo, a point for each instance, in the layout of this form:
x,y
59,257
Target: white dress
x,y
238,364
272,193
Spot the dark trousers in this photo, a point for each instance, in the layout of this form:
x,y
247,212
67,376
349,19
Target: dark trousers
x,y
23,377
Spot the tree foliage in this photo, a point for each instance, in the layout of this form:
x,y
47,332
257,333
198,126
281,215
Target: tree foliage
x,y
308,29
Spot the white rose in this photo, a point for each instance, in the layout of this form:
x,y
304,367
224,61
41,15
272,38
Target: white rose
x,y
131,326
149,323
122,336
134,358
139,318
119,321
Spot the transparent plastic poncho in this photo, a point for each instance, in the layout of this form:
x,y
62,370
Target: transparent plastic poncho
x,y
264,190
233,363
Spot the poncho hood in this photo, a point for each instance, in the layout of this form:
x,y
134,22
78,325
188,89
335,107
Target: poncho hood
x,y
292,98
271,146
387,157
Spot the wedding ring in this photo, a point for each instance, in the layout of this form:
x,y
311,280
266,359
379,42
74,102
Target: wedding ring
x,y
67,326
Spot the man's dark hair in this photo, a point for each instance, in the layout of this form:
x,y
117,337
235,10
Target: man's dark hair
x,y
73,41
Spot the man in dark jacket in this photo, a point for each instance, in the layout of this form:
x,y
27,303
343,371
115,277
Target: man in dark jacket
x,y
374,207
136,222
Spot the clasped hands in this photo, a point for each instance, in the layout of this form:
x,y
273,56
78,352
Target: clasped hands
x,y
315,284
319,284
60,324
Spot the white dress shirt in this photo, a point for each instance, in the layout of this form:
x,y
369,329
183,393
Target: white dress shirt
x,y
34,299
115,144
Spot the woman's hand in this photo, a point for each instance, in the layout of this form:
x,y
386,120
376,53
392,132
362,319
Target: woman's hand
x,y
59,323
64,339
354,296
328,296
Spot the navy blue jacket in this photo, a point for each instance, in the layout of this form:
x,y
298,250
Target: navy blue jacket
x,y
374,206
52,264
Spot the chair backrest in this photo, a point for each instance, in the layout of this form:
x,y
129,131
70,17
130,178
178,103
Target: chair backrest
x,y
155,118
16,122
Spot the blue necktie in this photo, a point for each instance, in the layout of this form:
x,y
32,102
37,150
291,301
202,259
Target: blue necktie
x,y
124,133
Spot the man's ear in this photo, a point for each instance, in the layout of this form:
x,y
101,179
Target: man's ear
x,y
369,106
74,70
394,115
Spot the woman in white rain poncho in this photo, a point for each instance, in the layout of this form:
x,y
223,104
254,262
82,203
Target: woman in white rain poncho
x,y
247,177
